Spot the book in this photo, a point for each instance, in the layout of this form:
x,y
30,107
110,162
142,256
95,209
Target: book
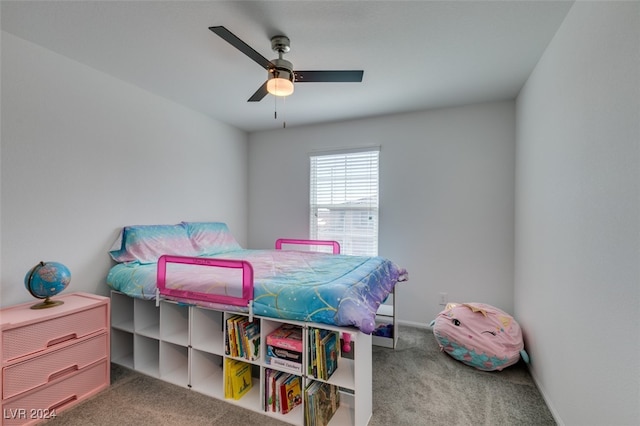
x,y
239,375
232,335
265,393
294,367
270,389
239,324
252,337
228,393
278,391
292,393
321,402
287,336
287,354
331,353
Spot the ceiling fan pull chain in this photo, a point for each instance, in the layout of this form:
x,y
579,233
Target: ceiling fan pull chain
x,y
284,107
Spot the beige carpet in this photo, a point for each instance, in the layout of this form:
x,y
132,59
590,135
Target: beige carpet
x,y
415,384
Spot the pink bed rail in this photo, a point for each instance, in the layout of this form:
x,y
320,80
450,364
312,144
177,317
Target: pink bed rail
x,y
335,244
247,280
247,274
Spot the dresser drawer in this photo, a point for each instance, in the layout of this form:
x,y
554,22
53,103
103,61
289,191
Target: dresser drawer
x,y
38,336
42,369
42,403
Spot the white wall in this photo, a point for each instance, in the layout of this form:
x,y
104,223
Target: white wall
x,y
577,292
84,154
446,198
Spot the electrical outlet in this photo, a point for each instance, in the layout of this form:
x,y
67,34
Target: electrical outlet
x,y
443,299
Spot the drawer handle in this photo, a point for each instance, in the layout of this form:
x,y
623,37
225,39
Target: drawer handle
x,y
54,407
59,340
62,372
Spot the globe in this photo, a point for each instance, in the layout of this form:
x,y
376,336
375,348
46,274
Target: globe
x,y
45,280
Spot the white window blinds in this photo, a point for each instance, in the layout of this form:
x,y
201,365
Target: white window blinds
x,y
344,200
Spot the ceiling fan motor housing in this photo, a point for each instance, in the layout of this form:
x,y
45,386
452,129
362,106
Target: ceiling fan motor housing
x,y
283,69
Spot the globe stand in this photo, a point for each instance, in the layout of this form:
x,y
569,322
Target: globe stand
x,y
47,303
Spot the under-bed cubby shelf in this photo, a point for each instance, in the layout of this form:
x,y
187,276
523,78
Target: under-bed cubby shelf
x,y
146,318
122,312
185,345
174,363
207,330
146,355
206,373
174,323
122,347
386,317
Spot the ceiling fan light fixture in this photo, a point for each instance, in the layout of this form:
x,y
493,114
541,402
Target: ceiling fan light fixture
x,y
280,83
280,87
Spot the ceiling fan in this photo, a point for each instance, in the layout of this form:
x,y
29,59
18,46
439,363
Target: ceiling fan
x,y
281,75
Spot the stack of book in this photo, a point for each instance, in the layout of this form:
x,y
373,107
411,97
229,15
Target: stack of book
x,y
282,391
324,351
242,339
237,378
321,402
284,348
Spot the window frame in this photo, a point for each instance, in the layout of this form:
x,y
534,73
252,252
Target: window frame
x,y
352,195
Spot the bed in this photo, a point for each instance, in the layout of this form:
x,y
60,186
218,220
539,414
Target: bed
x,y
201,263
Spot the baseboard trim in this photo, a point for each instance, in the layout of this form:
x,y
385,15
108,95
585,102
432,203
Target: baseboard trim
x,y
413,324
550,406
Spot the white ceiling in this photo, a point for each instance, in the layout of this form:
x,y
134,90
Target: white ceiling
x,y
415,54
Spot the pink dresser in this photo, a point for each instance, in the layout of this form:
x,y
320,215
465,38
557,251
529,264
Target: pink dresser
x,y
52,358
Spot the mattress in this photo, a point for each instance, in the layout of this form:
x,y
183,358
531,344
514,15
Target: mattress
x,y
332,289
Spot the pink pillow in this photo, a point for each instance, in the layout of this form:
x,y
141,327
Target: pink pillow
x,y
211,238
146,243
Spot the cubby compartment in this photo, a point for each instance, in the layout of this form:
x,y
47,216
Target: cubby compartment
x,y
242,337
346,412
146,318
207,330
252,399
122,312
386,332
293,415
174,323
174,363
206,373
122,348
146,355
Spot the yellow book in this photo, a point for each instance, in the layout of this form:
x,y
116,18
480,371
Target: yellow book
x,y
228,392
241,382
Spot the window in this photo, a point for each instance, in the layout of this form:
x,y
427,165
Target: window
x,y
344,199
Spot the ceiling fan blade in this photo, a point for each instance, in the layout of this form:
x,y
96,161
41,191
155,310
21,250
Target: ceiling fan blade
x,y
260,93
328,76
233,40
